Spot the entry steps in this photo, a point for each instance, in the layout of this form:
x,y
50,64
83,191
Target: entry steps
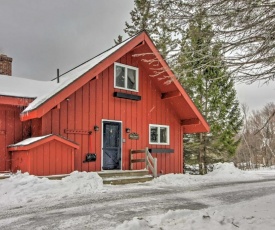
x,y
114,177
119,177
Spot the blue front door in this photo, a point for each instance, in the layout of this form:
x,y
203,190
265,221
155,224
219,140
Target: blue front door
x,y
111,145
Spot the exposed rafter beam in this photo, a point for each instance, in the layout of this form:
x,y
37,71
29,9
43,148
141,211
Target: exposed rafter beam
x,y
193,121
139,45
171,94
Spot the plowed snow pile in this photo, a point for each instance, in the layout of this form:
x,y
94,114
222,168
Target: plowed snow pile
x,y
221,172
23,188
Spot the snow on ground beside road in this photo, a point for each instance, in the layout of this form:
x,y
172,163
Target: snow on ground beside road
x,y
222,172
24,188
247,215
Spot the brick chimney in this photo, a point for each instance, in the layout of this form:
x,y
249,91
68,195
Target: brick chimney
x,y
5,65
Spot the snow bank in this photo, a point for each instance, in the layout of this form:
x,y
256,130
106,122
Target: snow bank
x,y
23,188
247,215
221,172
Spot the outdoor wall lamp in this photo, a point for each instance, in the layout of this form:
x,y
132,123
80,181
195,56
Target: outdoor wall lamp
x,y
128,130
96,128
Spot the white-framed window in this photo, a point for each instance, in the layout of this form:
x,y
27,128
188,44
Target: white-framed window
x,y
159,134
126,77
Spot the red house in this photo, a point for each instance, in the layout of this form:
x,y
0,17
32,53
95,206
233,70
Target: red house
x,y
90,117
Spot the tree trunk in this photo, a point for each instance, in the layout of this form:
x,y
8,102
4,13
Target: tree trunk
x,y
204,154
201,154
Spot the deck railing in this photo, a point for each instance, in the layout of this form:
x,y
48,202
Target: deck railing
x,y
150,161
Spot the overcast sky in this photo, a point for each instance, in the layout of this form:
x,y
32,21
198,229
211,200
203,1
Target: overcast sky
x,y
43,35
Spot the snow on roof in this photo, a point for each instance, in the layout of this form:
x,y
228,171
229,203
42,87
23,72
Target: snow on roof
x,y
70,76
23,87
29,141
43,90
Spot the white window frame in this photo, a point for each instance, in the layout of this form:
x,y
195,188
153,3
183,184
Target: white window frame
x,y
158,141
126,79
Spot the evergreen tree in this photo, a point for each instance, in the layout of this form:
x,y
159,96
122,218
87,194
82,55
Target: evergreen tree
x,y
203,74
119,40
198,62
150,16
142,17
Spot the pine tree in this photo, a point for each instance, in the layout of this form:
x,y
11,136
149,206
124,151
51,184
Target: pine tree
x,y
118,40
142,17
197,60
203,74
150,16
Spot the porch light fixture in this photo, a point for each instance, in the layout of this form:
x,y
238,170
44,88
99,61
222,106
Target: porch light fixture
x,y
96,128
128,130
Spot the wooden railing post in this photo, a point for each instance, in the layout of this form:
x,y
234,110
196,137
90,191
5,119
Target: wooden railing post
x,y
147,158
155,173
150,162
131,164
152,166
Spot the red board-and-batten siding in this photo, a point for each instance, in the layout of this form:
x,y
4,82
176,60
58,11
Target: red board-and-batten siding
x,y
94,101
50,158
12,130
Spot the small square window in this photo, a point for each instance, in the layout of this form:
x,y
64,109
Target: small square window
x,y
159,134
126,77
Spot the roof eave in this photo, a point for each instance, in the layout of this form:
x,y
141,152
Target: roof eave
x,y
12,100
203,126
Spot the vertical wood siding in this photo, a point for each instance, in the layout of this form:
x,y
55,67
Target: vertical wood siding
x,y
48,159
94,101
12,130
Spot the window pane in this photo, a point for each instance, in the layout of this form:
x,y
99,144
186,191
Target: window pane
x,y
163,135
120,76
131,81
111,135
154,134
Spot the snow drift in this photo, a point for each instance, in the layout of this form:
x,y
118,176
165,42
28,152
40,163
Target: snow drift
x,y
23,188
221,172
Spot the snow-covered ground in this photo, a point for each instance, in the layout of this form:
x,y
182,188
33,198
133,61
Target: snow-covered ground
x,y
256,214
23,190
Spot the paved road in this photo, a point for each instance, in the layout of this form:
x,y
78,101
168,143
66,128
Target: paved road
x,y
110,208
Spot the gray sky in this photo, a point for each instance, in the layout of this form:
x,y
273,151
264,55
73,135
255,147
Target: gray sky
x,y
43,35
257,95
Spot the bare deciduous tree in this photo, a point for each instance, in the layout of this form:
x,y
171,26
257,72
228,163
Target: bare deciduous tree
x,y
258,138
246,28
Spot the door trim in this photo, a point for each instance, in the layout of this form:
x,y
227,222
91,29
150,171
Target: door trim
x,y
121,142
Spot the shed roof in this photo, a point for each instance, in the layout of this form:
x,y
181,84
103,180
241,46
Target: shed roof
x,y
36,141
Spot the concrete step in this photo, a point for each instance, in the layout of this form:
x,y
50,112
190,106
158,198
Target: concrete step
x,y
123,173
127,180
116,177
4,177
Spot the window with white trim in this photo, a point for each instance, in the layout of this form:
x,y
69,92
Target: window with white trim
x,y
126,77
159,134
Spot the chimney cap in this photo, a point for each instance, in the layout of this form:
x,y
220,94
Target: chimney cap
x,y
4,57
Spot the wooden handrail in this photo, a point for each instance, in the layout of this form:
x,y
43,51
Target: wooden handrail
x,y
150,161
137,151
